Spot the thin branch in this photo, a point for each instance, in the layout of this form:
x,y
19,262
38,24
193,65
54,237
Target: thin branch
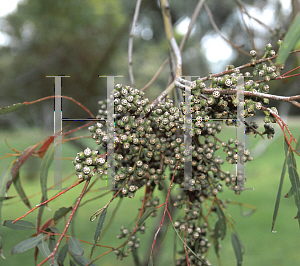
x,y
192,22
244,10
130,42
169,33
156,74
241,7
182,44
67,225
219,32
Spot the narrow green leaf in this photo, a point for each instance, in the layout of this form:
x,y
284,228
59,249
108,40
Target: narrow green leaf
x,y
146,214
75,246
82,260
215,238
20,190
72,263
5,198
291,38
279,194
204,263
290,193
47,160
20,225
293,175
61,212
45,251
62,254
52,242
298,145
11,108
221,222
21,160
237,247
27,244
98,229
5,176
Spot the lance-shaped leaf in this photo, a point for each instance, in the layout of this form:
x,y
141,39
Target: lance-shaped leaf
x,y
11,108
62,254
290,193
291,38
20,190
98,229
61,212
221,222
43,149
5,198
21,160
75,246
293,175
298,145
45,251
20,225
279,194
82,260
237,247
44,172
5,176
146,214
27,244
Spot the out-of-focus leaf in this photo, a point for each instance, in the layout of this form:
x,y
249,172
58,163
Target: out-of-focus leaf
x,y
52,243
20,225
45,251
98,229
6,198
237,247
11,108
293,175
215,238
221,222
43,149
289,194
146,214
5,176
298,145
75,246
20,190
44,172
62,254
21,160
81,260
279,193
72,263
289,42
61,212
27,244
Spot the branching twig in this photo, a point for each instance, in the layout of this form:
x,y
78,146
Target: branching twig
x,y
219,32
130,42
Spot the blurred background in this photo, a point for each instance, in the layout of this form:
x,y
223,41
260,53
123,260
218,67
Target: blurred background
x,y
84,39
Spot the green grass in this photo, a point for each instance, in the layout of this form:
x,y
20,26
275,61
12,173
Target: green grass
x,y
261,246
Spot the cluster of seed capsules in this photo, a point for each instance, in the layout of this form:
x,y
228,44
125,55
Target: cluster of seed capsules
x,y
149,144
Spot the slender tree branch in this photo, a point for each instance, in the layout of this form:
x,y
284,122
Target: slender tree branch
x,y
192,22
130,42
241,7
156,74
244,10
219,32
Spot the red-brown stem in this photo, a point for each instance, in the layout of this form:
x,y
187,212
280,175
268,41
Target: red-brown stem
x,y
65,97
165,210
45,202
283,126
67,225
